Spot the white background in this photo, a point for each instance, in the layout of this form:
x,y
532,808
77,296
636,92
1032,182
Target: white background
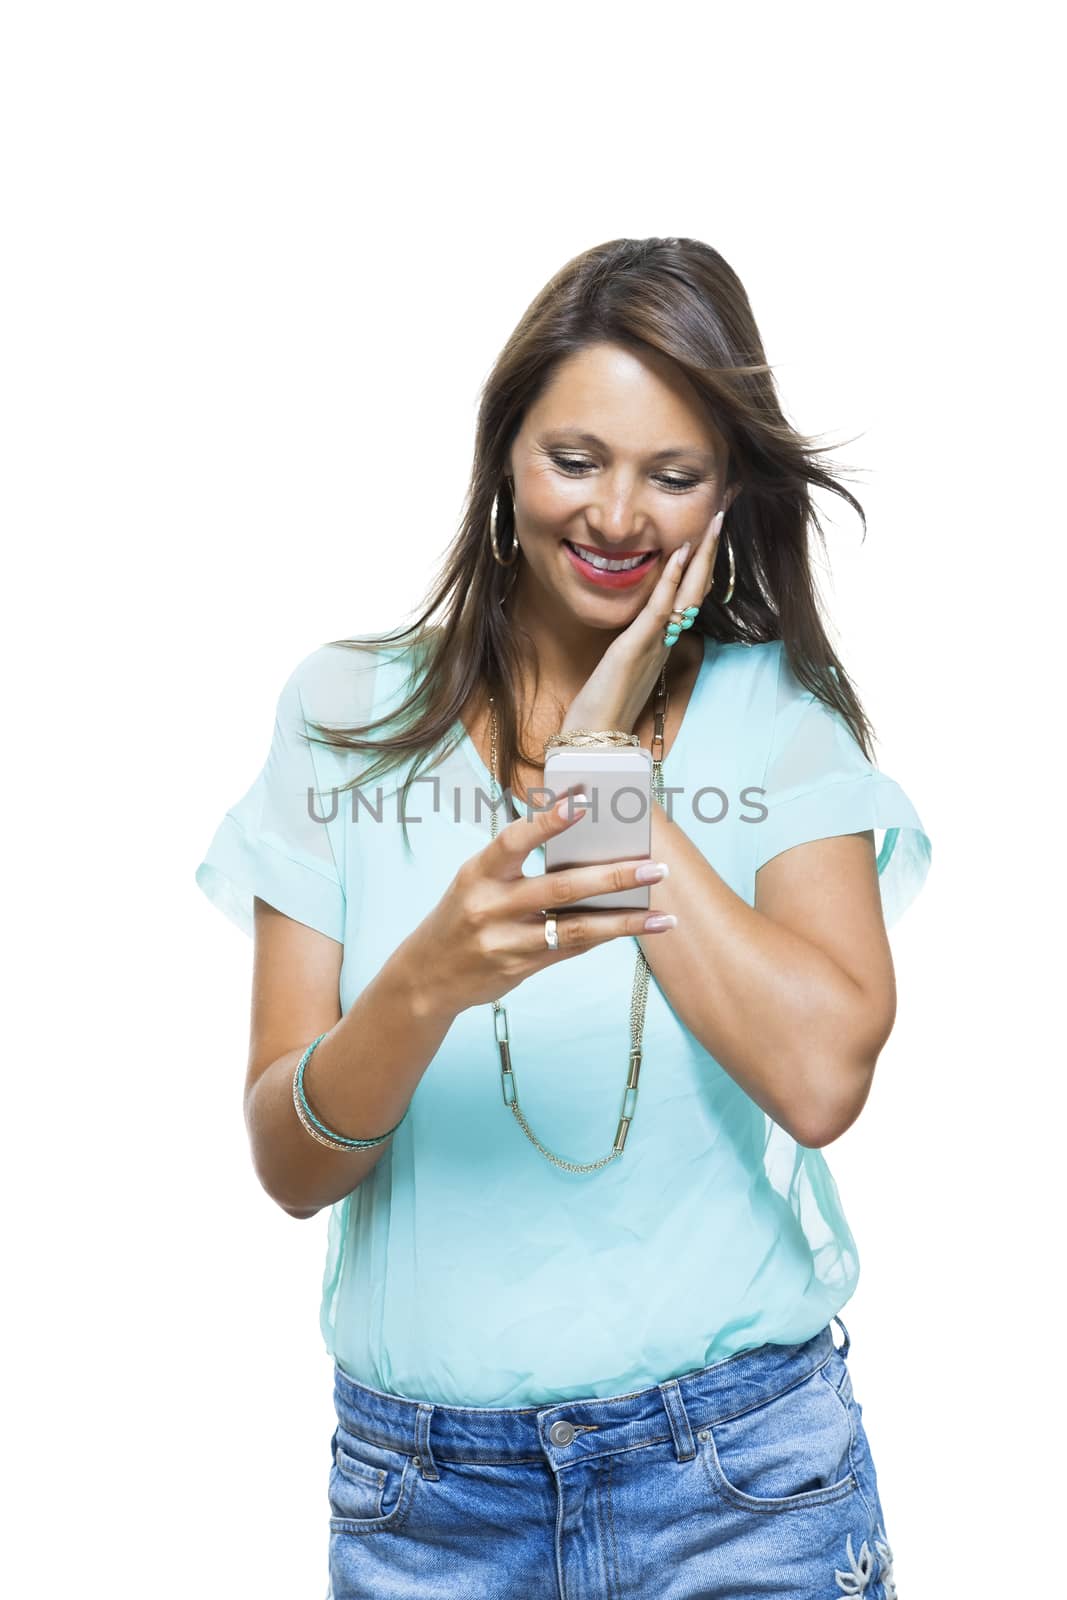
x,y
258,261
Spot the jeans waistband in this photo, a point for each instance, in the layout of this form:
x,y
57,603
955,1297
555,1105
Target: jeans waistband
x,y
561,1432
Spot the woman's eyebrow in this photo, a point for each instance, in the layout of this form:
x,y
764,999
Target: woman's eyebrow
x,y
658,455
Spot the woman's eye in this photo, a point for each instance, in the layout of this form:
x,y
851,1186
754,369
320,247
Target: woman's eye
x,y
572,465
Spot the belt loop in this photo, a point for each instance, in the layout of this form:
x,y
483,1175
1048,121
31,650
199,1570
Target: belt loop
x,y
842,1348
681,1432
424,1459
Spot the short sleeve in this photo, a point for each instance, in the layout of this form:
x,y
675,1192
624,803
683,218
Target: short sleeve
x,y
819,784
276,841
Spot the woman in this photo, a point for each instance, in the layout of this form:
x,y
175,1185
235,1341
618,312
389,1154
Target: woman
x,y
578,1352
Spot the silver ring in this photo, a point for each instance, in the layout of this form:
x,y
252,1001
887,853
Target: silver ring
x,y
551,930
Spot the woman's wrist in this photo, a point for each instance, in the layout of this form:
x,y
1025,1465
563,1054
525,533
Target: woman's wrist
x,y
423,992
615,722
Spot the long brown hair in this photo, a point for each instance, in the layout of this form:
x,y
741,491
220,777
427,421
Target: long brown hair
x,y
680,298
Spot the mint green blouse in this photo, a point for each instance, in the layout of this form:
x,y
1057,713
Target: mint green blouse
x,y
467,1269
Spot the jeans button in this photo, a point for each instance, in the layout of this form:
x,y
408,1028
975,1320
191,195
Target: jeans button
x,y
561,1432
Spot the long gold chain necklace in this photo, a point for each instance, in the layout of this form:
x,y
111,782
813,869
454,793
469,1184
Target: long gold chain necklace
x,y
642,970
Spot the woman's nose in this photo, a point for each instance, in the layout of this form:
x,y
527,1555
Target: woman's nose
x,y
615,511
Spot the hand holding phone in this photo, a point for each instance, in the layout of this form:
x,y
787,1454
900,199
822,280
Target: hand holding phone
x,y
486,934
618,826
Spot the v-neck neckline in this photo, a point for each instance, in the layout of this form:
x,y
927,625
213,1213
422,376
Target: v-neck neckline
x,y
670,760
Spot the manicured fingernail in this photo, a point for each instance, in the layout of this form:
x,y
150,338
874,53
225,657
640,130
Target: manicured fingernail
x,y
570,805
651,872
659,920
683,553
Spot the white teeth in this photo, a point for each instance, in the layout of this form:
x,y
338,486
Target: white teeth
x,y
609,566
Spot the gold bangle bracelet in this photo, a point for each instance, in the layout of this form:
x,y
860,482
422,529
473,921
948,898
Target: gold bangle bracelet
x,y
583,737
320,1138
331,1144
311,1124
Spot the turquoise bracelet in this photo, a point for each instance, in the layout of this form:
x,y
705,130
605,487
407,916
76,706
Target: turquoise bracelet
x,y
307,1116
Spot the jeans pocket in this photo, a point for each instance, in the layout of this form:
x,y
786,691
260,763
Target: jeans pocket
x,y
370,1487
789,1452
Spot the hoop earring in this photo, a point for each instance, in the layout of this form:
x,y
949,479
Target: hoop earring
x,y
728,596
492,536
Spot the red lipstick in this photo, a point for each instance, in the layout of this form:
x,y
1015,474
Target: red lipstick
x,y
609,580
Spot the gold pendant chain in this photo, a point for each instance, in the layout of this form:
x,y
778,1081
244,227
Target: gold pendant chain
x,y
642,971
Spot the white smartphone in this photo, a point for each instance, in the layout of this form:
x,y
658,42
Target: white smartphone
x,y
618,823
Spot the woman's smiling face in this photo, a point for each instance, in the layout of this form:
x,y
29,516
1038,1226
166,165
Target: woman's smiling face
x,y
616,459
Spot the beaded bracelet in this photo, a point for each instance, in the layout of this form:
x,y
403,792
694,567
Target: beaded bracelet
x,y
326,1136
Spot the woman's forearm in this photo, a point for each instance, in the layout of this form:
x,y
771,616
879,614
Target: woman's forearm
x,y
783,1019
358,1081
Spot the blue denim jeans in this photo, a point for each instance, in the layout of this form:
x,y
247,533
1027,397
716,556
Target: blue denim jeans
x,y
749,1477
